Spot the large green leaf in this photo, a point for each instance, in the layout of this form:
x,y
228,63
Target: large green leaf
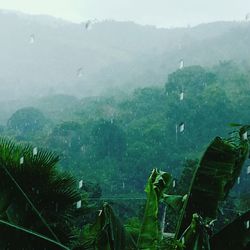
x,y
174,201
149,236
235,236
35,195
26,234
107,233
196,236
214,177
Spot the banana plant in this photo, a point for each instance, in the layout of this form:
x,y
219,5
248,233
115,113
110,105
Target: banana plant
x,y
157,185
214,177
236,235
109,234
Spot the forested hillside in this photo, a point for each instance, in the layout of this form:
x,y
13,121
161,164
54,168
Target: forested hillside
x,y
120,130
115,140
50,55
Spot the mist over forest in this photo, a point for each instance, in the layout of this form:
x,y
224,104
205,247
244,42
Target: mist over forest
x,y
100,105
66,58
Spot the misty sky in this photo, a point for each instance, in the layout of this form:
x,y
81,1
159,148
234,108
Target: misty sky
x,y
162,13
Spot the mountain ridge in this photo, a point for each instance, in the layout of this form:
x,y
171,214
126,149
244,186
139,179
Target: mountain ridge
x,y
41,55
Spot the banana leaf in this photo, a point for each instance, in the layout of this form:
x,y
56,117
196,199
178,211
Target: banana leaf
x,y
196,236
235,236
108,233
174,201
213,178
149,235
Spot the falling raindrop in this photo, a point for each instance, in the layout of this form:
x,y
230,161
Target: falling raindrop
x,y
181,127
176,132
181,64
245,136
174,183
88,25
34,151
79,204
181,96
247,17
247,224
79,72
123,185
21,160
100,212
222,212
80,184
248,170
183,240
184,197
32,38
238,180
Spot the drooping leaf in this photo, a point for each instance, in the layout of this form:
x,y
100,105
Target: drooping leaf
x,y
108,233
157,183
235,236
215,175
174,201
35,195
196,236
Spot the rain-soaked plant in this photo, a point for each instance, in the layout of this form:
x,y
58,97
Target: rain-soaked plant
x,y
213,178
36,200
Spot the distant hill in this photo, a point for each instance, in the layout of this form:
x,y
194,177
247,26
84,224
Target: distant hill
x,y
41,55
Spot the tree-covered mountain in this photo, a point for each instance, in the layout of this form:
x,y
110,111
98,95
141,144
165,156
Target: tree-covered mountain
x,y
115,139
42,55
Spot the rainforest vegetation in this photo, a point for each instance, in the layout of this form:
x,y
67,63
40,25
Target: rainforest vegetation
x,y
73,171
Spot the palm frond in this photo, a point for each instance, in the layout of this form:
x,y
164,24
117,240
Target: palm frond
x,y
35,195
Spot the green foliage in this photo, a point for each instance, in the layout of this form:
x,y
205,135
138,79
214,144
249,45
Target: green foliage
x,y
236,235
189,168
114,143
108,233
27,120
149,235
194,78
196,236
34,196
214,177
108,140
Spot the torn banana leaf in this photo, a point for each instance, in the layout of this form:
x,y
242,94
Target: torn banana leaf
x,y
149,235
235,236
215,175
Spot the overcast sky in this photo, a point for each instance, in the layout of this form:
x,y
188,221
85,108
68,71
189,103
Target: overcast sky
x,y
162,13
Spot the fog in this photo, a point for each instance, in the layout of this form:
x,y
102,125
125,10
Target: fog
x,y
124,124
43,55
161,13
